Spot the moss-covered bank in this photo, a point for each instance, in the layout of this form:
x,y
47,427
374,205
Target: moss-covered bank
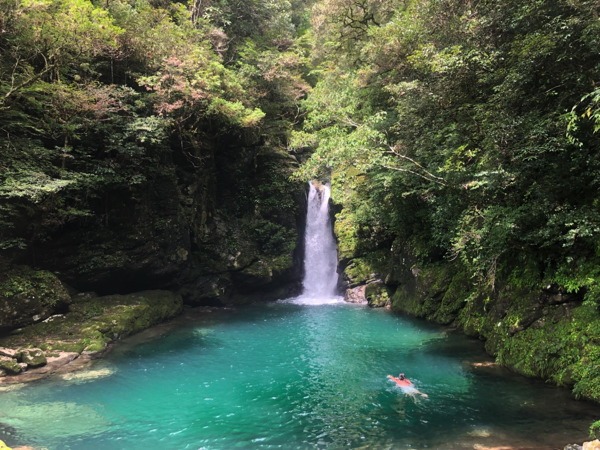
x,y
535,328
90,325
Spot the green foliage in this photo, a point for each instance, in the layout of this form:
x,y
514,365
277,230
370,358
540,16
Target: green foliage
x,y
98,101
595,430
449,136
562,349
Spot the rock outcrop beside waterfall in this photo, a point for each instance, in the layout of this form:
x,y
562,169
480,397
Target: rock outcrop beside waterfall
x,y
229,237
215,239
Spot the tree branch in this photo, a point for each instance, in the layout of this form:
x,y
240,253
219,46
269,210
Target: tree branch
x,y
25,83
394,151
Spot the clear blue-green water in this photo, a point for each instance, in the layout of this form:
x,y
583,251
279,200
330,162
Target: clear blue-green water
x,y
291,376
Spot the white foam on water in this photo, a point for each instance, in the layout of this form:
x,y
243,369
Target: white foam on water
x,y
314,301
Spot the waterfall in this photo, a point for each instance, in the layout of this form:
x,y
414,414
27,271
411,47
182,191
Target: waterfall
x,y
320,257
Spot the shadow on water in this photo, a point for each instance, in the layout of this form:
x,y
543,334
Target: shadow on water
x,y
10,435
173,343
191,330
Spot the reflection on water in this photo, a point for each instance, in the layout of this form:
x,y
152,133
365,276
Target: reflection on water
x,y
293,376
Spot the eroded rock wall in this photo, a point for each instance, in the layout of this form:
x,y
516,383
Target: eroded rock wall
x,y
218,231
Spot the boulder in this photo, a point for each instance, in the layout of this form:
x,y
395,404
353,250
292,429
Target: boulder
x,y
377,295
28,296
356,294
33,357
592,445
11,353
10,366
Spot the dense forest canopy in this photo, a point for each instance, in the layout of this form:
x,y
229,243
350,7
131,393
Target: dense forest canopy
x,y
145,118
462,130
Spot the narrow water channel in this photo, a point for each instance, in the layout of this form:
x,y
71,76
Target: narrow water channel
x,y
292,376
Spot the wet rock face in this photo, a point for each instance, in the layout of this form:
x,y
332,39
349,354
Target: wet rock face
x,y
138,240
229,229
356,294
374,293
28,296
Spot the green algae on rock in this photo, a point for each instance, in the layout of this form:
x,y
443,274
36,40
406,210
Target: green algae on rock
x,y
28,296
89,327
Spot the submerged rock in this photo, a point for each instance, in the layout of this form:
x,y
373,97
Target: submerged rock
x,y
70,419
88,375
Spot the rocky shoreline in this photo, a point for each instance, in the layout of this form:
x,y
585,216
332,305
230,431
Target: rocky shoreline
x,y
68,342
61,363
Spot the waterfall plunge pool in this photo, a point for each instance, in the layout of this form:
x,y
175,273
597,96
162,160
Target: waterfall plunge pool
x,y
292,376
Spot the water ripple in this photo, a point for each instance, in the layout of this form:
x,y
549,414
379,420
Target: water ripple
x,y
290,376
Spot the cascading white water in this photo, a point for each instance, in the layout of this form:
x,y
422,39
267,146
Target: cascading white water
x,y
320,256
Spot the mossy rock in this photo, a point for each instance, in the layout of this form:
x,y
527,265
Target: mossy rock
x,y
563,347
377,294
281,264
33,357
454,298
28,296
10,366
123,315
345,230
358,271
93,324
422,295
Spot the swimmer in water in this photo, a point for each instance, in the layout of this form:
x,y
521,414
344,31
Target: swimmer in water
x,y
407,386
